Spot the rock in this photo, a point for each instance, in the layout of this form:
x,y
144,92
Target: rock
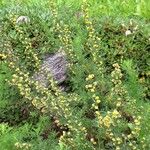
x,y
56,66
23,19
128,32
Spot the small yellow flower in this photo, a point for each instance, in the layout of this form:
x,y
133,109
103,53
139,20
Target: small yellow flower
x,y
115,114
111,134
97,113
90,86
118,104
137,122
92,90
97,98
98,101
133,132
93,105
119,140
107,121
2,56
117,148
94,143
130,144
83,129
96,107
90,77
13,80
129,136
134,147
19,84
95,83
11,63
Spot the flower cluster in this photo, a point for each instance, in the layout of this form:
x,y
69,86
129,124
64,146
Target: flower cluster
x,y
30,56
118,91
91,87
25,146
66,40
54,11
135,132
121,100
3,56
105,122
64,35
93,41
110,118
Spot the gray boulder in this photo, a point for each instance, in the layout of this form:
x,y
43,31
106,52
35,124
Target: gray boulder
x,y
56,66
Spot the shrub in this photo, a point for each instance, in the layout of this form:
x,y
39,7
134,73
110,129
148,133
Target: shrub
x,y
107,70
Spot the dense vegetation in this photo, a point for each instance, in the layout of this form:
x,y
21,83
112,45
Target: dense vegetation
x,y
106,104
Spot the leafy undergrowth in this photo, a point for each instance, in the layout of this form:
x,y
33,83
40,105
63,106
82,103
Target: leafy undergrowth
x,y
107,103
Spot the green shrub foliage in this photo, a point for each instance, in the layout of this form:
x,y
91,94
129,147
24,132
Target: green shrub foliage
x,y
106,101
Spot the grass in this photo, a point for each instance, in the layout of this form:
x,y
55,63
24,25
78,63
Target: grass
x,y
107,102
